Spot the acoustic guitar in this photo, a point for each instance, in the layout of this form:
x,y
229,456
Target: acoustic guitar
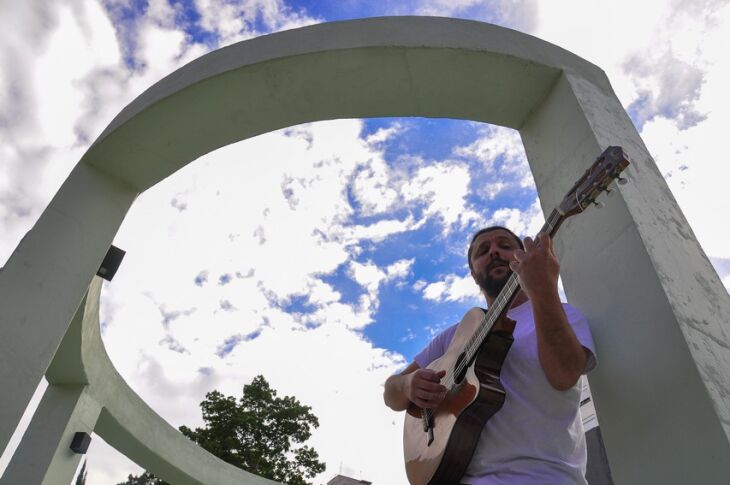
x,y
439,443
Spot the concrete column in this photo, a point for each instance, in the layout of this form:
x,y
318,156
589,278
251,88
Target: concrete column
x,y
47,276
43,456
663,383
657,308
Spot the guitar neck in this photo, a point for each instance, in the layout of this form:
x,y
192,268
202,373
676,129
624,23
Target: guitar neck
x,y
504,300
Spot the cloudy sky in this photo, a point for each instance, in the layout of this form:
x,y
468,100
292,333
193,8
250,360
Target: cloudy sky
x,y
324,256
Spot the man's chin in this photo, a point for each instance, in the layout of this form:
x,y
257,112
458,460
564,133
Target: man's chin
x,y
493,286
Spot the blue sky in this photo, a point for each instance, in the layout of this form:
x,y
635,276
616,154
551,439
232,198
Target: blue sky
x,y
339,245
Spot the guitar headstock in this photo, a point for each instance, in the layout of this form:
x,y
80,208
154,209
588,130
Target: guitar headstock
x,y
607,168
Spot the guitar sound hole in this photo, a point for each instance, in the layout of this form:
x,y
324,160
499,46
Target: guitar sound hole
x,y
458,371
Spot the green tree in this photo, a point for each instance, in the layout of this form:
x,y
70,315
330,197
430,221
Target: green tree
x,y
260,433
144,479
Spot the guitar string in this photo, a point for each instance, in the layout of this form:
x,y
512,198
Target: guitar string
x,y
512,286
489,319
485,326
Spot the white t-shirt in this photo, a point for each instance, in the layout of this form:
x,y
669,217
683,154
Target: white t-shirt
x,y
537,437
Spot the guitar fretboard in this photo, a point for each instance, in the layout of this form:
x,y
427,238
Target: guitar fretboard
x,y
495,311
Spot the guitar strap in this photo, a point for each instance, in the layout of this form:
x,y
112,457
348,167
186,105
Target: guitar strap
x,y
487,366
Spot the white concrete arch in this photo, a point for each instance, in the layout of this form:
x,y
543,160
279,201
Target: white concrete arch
x,y
656,306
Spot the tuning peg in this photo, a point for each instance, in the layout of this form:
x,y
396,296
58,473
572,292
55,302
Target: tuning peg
x,y
609,192
598,204
622,181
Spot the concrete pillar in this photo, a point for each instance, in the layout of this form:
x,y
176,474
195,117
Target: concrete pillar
x,y
657,309
43,456
656,306
46,277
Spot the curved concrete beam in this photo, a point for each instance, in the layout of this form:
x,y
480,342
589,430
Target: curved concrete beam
x,y
668,327
391,66
128,424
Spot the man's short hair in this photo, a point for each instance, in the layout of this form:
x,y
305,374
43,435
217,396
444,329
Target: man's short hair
x,y
490,229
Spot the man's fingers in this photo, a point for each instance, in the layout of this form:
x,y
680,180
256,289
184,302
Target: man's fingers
x,y
426,404
432,387
529,243
546,242
432,376
429,396
426,388
428,400
428,382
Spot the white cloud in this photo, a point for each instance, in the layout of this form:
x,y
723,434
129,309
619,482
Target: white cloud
x,y
517,14
204,221
669,74
160,49
523,223
503,159
399,269
279,246
419,285
269,248
373,187
496,143
454,288
692,166
384,134
43,67
667,87
162,13
331,368
223,18
380,230
443,188
73,52
367,275
320,293
370,277
676,57
105,465
233,22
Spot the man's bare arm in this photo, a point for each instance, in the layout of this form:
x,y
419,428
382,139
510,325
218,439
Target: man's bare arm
x,y
561,355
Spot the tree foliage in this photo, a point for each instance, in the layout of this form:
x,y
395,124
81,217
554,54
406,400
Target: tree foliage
x,y
144,479
260,433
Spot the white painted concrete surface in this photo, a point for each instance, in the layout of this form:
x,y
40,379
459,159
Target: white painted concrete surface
x,y
656,306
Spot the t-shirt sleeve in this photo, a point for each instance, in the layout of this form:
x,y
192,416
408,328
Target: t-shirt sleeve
x,y
436,348
580,326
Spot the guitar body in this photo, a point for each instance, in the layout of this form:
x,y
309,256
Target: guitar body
x,y
460,418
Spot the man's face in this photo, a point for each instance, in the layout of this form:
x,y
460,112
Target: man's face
x,y
491,254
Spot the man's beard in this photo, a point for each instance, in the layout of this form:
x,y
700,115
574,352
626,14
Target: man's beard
x,y
492,286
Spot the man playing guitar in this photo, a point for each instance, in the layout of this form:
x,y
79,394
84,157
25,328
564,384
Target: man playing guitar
x,y
537,436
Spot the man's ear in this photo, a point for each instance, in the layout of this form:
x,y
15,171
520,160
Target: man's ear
x,y
474,277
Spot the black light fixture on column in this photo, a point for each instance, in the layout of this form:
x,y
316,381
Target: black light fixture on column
x,y
111,263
